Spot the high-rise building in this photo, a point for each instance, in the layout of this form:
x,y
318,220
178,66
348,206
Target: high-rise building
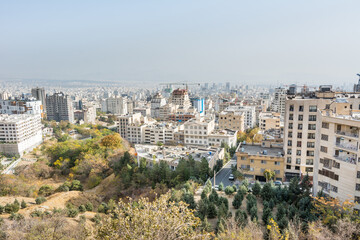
x,y
116,105
181,98
199,104
59,107
156,103
278,104
300,131
19,133
39,94
21,106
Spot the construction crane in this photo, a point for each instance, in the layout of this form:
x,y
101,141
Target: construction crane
x,y
169,85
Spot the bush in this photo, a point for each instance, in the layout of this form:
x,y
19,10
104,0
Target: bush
x,y
72,212
16,206
2,209
257,188
267,214
45,190
96,219
8,208
229,190
40,200
267,192
237,200
253,213
214,197
76,186
82,208
16,216
62,188
225,201
243,190
36,213
89,207
245,183
234,187
103,208
23,204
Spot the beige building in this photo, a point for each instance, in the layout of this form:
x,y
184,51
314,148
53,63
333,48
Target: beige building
x,y
254,159
269,120
300,132
338,153
232,120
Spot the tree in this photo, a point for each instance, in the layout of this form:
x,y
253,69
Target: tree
x,y
238,200
267,192
82,208
221,186
189,199
267,214
253,213
204,169
229,190
111,141
160,219
76,186
256,189
214,197
241,217
40,200
16,206
269,174
211,211
89,206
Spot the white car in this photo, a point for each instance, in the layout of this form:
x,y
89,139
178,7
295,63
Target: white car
x,y
231,177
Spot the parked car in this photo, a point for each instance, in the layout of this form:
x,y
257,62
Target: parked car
x,y
278,183
231,177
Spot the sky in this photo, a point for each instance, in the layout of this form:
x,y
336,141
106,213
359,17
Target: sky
x,y
243,42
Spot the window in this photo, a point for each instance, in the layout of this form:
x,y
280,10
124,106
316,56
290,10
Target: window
x,y
310,153
312,117
310,144
252,160
298,160
289,134
357,187
312,126
243,158
301,108
309,169
277,172
334,188
291,116
298,152
288,166
263,162
289,151
289,143
301,117
323,149
297,168
311,135
298,144
277,163
300,126
291,108
290,126
357,199
324,137
309,161
312,108
288,160
299,135
358,174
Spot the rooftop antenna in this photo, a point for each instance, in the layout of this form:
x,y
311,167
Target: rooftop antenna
x,y
359,77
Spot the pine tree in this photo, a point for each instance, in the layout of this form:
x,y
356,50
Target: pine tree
x,y
256,189
211,210
238,200
23,204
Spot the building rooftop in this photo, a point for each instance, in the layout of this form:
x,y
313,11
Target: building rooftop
x,y
15,117
260,150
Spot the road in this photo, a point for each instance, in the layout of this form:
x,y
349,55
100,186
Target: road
x,y
224,173
10,169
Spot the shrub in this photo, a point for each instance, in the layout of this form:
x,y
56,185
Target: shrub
x,y
40,200
267,214
214,197
45,190
253,213
96,219
243,190
229,190
62,188
234,187
225,201
16,216
8,208
16,206
1,209
267,192
36,213
23,204
82,208
241,217
72,212
245,183
89,206
221,187
76,186
103,208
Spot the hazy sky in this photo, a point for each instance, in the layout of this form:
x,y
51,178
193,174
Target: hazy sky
x,y
254,41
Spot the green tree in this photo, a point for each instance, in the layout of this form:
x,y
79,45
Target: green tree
x,y
229,190
256,189
269,174
204,169
221,186
253,213
23,204
89,207
189,199
211,210
82,208
238,200
241,217
214,197
267,214
267,192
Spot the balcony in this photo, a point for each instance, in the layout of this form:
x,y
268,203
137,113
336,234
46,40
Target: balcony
x,y
347,159
347,146
347,134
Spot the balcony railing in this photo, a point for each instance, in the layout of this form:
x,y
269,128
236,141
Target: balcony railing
x,y
351,160
347,134
347,146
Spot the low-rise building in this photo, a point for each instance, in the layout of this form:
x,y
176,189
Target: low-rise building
x,y
254,159
269,120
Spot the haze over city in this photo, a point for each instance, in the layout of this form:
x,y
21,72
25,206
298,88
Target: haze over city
x,y
252,42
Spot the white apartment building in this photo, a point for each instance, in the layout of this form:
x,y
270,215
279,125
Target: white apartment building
x,y
115,105
87,114
156,103
338,155
278,104
248,111
19,133
127,120
22,106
